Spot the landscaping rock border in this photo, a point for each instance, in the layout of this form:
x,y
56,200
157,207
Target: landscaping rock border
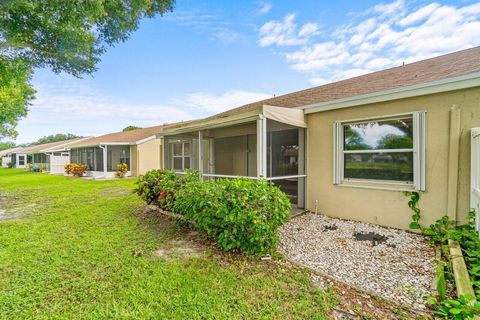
x,y
399,268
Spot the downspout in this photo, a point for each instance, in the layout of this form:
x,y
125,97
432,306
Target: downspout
x,y
104,148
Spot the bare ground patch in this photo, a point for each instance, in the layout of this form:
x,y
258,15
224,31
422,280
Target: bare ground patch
x,y
179,242
11,208
114,192
180,249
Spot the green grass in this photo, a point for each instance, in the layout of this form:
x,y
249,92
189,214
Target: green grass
x,y
79,251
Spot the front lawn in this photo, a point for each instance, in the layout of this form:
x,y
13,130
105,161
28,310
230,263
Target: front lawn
x,y
79,250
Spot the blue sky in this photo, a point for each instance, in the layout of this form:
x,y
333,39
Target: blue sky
x,y
206,57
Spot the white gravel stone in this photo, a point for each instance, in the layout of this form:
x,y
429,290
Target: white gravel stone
x,y
400,269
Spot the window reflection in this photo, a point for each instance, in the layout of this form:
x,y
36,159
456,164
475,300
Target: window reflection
x,y
384,134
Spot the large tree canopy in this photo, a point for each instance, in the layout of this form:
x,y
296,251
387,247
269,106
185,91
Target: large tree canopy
x,y
6,145
55,138
15,93
66,36
130,128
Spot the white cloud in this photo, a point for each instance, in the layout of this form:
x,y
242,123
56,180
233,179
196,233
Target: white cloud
x,y
286,32
206,22
381,37
419,15
393,9
218,103
264,8
373,133
83,103
308,29
69,105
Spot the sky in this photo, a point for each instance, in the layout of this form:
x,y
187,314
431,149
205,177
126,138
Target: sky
x,y
209,56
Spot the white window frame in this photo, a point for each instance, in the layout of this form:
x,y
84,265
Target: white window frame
x,y
22,158
182,156
419,132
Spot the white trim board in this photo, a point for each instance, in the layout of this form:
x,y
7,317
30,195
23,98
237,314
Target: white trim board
x,y
462,82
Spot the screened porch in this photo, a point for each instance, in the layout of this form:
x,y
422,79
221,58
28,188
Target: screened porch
x,y
41,160
253,147
101,160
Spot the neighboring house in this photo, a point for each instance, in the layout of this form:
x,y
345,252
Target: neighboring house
x,y
139,149
20,159
349,149
41,155
59,155
8,156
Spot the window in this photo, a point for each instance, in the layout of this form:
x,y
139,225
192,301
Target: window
x,y
181,154
387,150
21,160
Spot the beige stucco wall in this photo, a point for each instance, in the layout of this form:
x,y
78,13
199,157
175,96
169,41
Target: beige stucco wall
x,y
134,161
147,157
387,207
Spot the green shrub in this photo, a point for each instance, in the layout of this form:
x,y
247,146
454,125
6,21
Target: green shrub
x,y
158,187
239,214
76,169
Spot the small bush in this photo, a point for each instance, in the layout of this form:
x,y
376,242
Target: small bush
x,y
158,187
76,169
122,170
10,165
239,214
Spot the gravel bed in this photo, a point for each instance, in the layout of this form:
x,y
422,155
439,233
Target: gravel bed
x,y
396,264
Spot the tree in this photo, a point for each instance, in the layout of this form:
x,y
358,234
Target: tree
x,y
15,93
6,145
130,128
55,138
394,141
65,36
353,140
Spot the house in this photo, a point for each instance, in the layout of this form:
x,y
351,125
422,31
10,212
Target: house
x,y
59,155
40,156
349,149
8,156
20,159
139,149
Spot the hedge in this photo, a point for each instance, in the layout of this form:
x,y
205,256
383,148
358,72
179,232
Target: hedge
x,y
241,214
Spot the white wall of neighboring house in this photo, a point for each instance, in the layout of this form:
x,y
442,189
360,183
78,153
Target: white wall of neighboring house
x,y
5,161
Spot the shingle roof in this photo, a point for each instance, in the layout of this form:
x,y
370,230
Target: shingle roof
x,y
127,137
41,147
438,68
11,150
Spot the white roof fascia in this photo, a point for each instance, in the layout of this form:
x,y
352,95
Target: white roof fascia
x,y
146,139
63,146
102,144
462,82
215,124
